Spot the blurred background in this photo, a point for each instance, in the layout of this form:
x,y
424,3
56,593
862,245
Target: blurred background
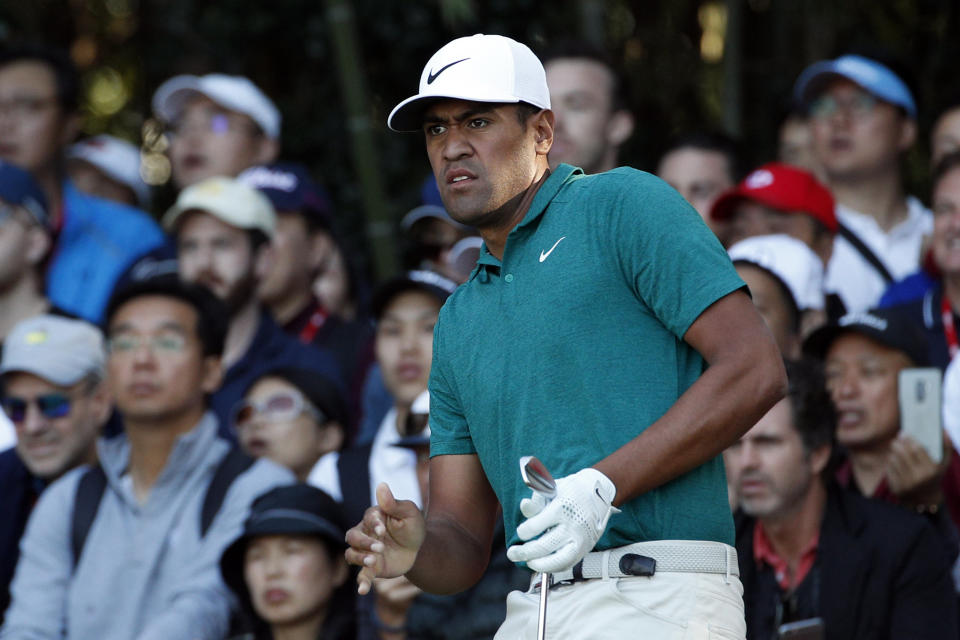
x,y
336,67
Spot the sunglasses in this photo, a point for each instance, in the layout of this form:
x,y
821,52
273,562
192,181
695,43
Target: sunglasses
x,y
50,406
278,407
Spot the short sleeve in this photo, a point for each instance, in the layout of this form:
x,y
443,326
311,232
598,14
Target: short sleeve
x,y
449,433
675,264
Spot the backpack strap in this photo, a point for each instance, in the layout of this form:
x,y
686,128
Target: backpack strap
x,y
85,505
865,252
232,465
353,470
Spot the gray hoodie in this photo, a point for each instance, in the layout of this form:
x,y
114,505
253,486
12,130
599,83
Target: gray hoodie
x,y
145,572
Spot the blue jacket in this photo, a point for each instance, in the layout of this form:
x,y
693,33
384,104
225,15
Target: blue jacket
x,y
99,240
271,348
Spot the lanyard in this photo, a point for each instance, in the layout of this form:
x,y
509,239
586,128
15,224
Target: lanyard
x,y
949,328
309,331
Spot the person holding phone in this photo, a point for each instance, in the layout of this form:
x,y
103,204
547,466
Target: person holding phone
x,y
818,560
864,355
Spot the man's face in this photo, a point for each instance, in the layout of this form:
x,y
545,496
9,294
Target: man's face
x,y
769,299
404,344
23,245
58,426
156,364
862,379
854,134
946,223
33,125
217,255
90,179
772,471
946,135
294,262
699,175
750,219
208,140
795,145
482,157
581,98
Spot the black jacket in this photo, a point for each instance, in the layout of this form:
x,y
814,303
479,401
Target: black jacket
x,y
881,573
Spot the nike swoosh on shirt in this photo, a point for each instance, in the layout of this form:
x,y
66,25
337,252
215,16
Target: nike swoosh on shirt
x,y
433,75
544,254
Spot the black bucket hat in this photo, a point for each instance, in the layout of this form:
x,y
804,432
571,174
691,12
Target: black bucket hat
x,y
297,509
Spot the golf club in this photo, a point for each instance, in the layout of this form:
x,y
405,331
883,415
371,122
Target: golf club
x,y
537,478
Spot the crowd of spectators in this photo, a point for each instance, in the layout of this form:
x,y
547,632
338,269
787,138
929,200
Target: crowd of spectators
x,y
198,404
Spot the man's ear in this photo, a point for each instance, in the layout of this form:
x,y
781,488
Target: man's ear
x,y
619,127
819,458
542,124
71,128
212,374
38,245
263,260
331,438
320,244
908,134
267,150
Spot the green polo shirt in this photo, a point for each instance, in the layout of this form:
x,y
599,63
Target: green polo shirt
x,y
572,345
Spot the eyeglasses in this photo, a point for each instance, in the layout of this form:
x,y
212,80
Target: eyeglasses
x,y
218,123
26,106
50,405
277,407
859,105
164,343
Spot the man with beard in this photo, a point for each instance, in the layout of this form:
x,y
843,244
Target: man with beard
x,y
223,230
809,549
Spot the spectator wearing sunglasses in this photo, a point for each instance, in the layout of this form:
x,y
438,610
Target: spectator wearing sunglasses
x,y
218,125
147,566
293,417
53,391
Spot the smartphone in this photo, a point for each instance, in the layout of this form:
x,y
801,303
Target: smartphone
x,y
920,408
811,629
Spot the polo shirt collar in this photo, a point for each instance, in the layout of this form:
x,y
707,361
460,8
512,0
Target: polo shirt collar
x,y
545,194
550,188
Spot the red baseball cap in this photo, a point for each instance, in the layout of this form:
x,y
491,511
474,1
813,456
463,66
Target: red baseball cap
x,y
781,187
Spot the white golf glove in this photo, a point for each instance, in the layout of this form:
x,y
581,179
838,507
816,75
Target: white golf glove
x,y
571,523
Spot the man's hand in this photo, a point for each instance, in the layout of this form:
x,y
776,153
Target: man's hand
x,y
912,475
385,543
572,522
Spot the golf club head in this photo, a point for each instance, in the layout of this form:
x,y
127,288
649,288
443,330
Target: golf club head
x,y
536,477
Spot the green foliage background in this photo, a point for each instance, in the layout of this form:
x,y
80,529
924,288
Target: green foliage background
x,y
287,47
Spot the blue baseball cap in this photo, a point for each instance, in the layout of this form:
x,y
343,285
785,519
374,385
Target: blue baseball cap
x,y
18,188
874,77
289,187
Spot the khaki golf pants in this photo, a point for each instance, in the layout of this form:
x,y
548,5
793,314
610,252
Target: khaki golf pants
x,y
666,606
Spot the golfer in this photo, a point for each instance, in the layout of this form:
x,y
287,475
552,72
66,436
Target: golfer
x,y
604,331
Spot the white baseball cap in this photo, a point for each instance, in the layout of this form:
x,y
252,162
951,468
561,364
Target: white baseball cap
x,y
58,349
231,92
234,202
118,159
479,68
789,260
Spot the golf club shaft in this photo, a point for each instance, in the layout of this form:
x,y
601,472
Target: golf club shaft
x,y
542,617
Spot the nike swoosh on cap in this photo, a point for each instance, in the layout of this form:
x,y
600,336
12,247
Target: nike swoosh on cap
x,y
433,75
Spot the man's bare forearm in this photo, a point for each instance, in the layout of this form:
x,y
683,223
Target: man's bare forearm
x,y
451,558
